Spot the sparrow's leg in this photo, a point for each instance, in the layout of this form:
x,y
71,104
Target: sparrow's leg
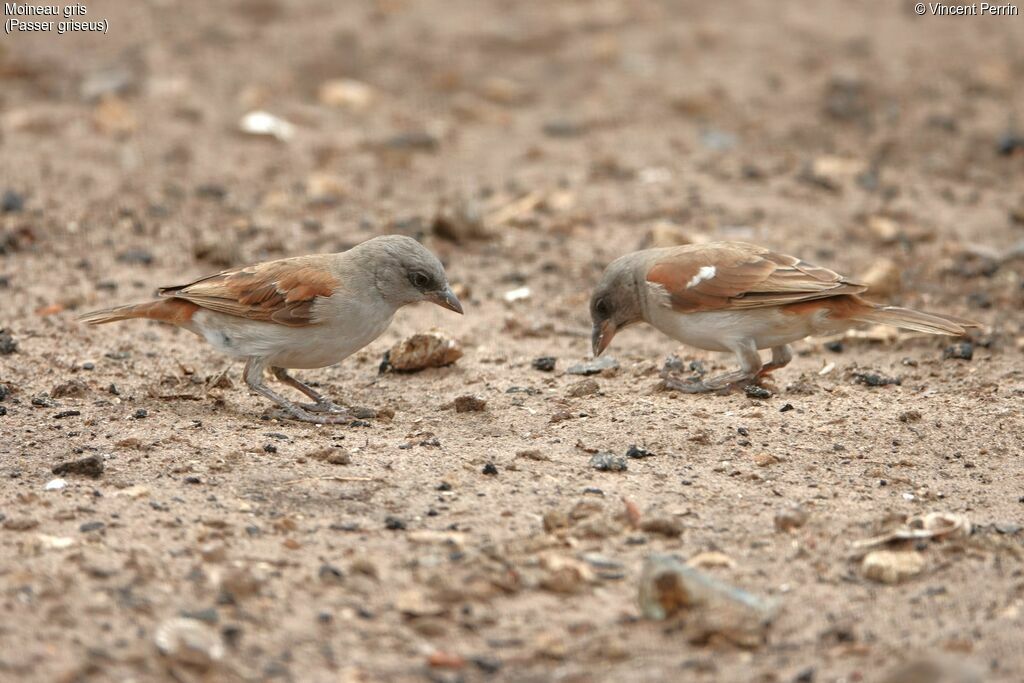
x,y
320,404
781,355
750,366
253,374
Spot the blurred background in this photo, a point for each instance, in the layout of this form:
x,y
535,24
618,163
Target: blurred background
x,y
528,143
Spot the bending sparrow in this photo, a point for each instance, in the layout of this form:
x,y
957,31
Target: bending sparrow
x,y
302,312
732,296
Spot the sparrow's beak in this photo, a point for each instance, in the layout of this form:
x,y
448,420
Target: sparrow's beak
x,y
602,336
445,298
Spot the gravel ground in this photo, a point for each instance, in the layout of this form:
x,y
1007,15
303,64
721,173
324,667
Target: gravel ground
x,y
528,144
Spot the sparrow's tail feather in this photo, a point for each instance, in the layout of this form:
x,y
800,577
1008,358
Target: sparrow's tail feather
x,y
918,321
174,311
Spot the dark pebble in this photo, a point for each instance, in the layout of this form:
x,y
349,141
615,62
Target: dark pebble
x,y
635,451
91,466
594,367
593,491
489,665
963,351
563,128
3,410
743,431
211,191
193,479
136,257
12,202
328,573
608,462
394,524
805,676
873,379
413,141
834,346
269,448
754,391
8,345
786,408
67,413
444,486
207,616
88,366
5,391
325,617
91,526
1009,143
544,363
359,423
141,413
491,469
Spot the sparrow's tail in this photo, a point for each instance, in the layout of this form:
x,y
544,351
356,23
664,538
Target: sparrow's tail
x,y
918,321
174,311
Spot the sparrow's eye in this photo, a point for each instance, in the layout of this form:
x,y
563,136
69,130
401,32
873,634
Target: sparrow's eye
x,y
419,280
602,308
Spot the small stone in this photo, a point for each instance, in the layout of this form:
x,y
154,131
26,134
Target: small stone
x,y
490,469
460,220
544,364
429,350
963,351
75,388
587,387
189,641
12,202
786,408
910,416
91,526
328,573
892,566
594,367
346,93
266,124
140,414
755,391
91,466
835,346
789,518
67,413
56,485
873,379
8,344
564,128
662,525
1007,528
394,524
20,523
608,462
413,141
638,453
470,404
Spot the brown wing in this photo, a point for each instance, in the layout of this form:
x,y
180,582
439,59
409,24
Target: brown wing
x,y
278,291
735,275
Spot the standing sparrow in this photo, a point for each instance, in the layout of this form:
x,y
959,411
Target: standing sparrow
x,y
732,296
302,312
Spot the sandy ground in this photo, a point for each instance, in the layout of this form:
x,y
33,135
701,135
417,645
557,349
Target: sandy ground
x,y
856,135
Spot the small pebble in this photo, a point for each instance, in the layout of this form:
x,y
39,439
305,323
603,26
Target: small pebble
x,y
962,351
12,202
394,524
608,462
594,367
635,451
544,364
470,404
8,345
91,526
873,379
755,391
141,413
490,469
786,408
91,466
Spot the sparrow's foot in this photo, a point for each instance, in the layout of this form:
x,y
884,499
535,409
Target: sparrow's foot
x,y
334,418
324,405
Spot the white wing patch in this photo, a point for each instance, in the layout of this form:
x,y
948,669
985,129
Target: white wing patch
x,y
705,273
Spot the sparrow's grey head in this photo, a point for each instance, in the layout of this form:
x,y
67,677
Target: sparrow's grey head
x,y
615,302
405,272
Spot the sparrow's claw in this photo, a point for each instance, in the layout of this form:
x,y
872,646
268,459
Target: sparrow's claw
x,y
686,386
298,412
323,406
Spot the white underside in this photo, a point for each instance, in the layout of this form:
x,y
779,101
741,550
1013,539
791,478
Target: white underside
x,y
311,346
727,330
